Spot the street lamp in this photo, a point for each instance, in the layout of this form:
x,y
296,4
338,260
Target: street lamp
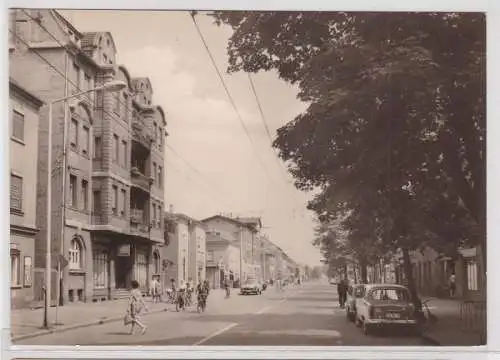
x,y
112,86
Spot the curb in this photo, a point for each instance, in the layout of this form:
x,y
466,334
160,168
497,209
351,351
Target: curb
x,y
77,326
431,339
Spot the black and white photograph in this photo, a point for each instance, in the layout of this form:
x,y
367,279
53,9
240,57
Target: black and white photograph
x,y
247,178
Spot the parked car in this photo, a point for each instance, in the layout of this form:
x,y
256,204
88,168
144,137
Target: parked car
x,y
354,292
383,306
251,287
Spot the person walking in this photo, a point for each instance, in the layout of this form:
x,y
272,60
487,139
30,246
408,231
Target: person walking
x,y
136,305
453,285
155,289
342,292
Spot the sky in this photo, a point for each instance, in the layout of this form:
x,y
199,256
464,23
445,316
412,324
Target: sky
x,y
211,164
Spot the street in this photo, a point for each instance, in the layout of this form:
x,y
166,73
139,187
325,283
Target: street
x,y
308,315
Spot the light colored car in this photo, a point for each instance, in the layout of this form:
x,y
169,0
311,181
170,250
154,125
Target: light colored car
x,y
354,292
251,287
385,305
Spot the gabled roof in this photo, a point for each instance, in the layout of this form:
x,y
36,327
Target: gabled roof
x,y
227,219
90,39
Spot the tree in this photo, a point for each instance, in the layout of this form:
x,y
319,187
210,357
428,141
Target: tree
x,y
394,133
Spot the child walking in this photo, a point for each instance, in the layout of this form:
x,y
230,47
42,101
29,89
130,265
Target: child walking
x,y
135,305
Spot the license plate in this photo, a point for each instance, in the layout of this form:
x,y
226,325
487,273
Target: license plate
x,y
393,315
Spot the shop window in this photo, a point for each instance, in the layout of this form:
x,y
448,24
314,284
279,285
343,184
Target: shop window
x,y
472,276
142,268
100,268
75,255
15,268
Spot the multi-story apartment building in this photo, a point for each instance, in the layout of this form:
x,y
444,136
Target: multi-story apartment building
x,y
223,257
243,236
197,251
177,251
24,118
107,158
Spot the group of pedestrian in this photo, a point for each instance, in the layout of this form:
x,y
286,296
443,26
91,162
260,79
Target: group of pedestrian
x,y
136,304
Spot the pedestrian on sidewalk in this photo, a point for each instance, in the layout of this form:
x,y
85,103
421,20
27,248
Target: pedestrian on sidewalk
x,y
135,306
453,285
342,292
155,289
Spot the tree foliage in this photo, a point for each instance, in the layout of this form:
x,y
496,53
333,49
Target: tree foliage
x,y
394,134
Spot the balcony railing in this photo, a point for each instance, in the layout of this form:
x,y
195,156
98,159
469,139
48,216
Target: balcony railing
x,y
139,179
137,216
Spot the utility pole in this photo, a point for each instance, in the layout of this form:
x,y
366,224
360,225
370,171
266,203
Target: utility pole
x,y
241,256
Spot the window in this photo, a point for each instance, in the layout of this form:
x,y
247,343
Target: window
x,y
153,220
159,216
86,140
125,102
74,133
472,277
97,147
73,191
75,255
123,202
155,132
124,153
210,255
16,192
114,200
96,201
155,174
105,58
76,69
18,125
116,150
117,104
15,268
100,269
142,268
389,294
161,139
160,176
28,271
85,194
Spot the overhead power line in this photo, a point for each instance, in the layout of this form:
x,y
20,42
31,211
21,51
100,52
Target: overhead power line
x,y
233,104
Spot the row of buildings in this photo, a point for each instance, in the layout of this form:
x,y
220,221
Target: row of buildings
x,y
106,168
432,271
105,164
222,247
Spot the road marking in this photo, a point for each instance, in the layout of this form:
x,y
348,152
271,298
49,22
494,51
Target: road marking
x,y
217,333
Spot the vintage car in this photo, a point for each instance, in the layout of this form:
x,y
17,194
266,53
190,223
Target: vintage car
x,y
251,287
354,292
385,305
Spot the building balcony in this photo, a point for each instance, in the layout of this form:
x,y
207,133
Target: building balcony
x,y
140,133
140,229
140,180
137,216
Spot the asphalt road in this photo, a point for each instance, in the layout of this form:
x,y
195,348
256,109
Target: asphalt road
x,y
307,315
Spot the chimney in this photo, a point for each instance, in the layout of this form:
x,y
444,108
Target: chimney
x,y
171,208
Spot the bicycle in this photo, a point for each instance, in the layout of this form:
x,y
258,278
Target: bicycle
x,y
202,303
180,303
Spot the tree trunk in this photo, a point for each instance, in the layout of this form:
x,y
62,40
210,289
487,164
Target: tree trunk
x,y
410,280
364,272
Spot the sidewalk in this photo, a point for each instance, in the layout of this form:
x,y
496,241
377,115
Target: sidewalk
x,y
449,329
27,323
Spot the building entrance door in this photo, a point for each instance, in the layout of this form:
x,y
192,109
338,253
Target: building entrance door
x,y
123,271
